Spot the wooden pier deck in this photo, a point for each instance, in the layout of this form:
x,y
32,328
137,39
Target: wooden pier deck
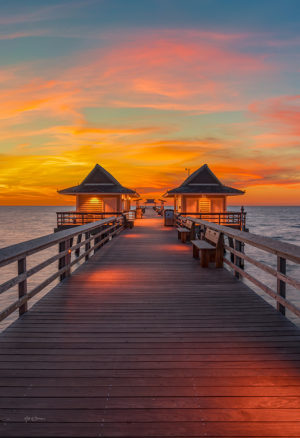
x,y
142,342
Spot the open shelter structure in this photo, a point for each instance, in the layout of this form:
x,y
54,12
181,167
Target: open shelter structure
x,y
98,195
201,192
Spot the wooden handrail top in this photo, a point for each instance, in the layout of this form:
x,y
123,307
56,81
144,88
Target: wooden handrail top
x,y
19,250
89,212
269,244
213,213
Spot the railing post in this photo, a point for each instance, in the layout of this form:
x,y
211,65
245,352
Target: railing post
x,y
87,246
98,239
281,286
62,260
65,260
238,261
69,244
242,226
22,285
77,251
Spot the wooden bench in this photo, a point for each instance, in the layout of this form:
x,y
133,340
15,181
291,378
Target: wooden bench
x,y
211,248
184,233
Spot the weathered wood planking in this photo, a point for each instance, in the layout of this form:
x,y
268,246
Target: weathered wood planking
x,y
142,342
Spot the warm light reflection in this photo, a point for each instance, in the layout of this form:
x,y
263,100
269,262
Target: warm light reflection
x,y
111,274
183,247
134,236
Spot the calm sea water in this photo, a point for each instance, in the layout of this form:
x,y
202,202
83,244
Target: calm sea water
x,y
20,223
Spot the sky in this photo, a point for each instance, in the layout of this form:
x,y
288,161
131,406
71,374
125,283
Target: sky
x,y
148,89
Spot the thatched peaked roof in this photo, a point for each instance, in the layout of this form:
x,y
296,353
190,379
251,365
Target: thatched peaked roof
x,y
203,181
98,181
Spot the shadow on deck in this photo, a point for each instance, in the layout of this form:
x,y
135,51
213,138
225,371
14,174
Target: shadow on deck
x,y
142,342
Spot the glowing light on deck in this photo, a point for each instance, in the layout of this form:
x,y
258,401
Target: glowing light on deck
x,y
133,236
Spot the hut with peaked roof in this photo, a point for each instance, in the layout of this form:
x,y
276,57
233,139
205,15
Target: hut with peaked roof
x,y
201,192
100,192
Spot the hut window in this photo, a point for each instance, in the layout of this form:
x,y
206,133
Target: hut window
x,y
204,205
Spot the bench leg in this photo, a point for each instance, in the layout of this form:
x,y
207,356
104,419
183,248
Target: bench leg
x,y
188,236
195,252
219,258
179,235
183,237
204,258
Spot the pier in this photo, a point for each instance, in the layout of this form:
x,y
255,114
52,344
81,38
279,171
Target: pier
x,y
140,341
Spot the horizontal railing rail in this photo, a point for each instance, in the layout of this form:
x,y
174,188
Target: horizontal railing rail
x,y
230,218
95,235
235,245
76,218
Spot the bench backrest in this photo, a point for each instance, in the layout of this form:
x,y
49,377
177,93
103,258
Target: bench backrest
x,y
189,224
212,236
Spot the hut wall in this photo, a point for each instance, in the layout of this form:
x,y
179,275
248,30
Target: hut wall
x,y
191,205
196,204
202,204
178,203
111,204
125,204
218,205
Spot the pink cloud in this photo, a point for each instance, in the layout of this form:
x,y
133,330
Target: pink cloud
x,y
282,112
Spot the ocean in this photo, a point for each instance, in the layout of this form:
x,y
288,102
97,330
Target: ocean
x,y
20,223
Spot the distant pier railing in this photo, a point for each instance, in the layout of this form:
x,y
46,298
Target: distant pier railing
x,y
236,219
89,238
236,242
77,218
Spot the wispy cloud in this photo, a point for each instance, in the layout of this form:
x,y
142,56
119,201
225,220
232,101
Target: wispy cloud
x,y
31,15
25,34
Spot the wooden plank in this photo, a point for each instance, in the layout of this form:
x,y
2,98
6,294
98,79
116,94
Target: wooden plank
x,y
142,415
285,429
191,402
157,373
149,391
117,382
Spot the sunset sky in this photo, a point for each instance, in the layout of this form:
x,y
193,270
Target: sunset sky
x,y
147,88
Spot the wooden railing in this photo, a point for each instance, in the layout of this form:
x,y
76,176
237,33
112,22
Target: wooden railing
x,y
75,218
236,219
236,243
89,237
